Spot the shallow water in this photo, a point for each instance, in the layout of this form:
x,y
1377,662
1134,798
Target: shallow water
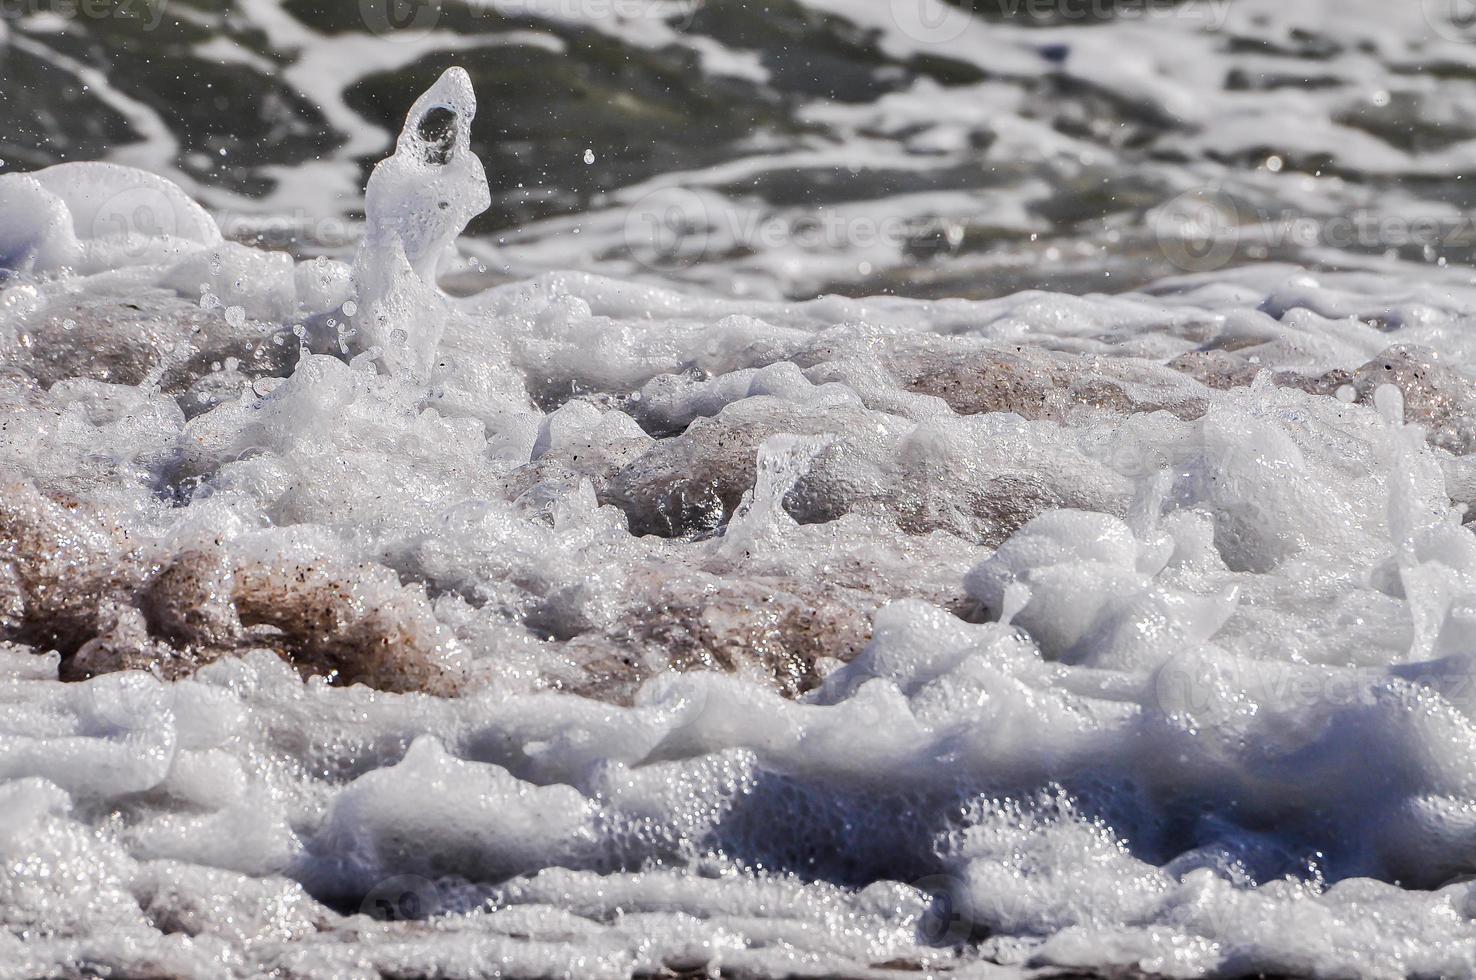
x,y
650,617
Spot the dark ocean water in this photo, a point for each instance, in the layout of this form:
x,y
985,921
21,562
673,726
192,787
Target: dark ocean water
x,y
797,146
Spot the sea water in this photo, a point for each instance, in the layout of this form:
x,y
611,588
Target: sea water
x,y
585,627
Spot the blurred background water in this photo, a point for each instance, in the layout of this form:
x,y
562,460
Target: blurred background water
x,y
793,147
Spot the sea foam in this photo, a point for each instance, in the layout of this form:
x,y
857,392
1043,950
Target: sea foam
x,y
582,627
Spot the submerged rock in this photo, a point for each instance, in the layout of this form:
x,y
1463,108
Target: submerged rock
x,y
1437,396
146,337
77,584
1040,384
778,633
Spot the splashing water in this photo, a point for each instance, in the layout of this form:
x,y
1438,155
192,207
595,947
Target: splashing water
x,y
417,202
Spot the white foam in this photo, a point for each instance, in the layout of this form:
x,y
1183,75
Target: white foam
x,y
1138,672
